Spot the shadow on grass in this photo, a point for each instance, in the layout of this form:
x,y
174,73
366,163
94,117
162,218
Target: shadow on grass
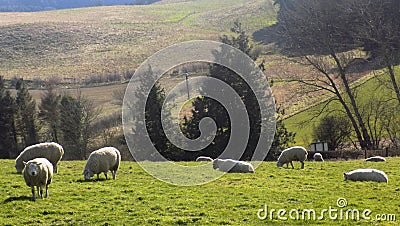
x,y
15,173
19,198
91,180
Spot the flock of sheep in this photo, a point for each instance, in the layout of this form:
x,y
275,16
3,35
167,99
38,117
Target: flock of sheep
x,y
298,153
38,162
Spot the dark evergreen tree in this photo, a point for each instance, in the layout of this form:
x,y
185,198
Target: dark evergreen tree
x,y
26,118
71,127
282,139
49,111
207,107
153,103
8,142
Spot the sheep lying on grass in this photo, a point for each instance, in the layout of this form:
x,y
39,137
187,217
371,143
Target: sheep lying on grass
x,y
288,155
204,159
38,172
366,175
375,159
51,151
101,161
318,157
233,166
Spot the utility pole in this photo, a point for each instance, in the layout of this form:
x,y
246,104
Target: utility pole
x,y
187,84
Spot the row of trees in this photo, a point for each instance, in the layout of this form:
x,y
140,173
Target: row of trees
x,y
65,119
337,39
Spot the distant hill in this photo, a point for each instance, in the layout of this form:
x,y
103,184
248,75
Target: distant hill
x,y
40,5
91,41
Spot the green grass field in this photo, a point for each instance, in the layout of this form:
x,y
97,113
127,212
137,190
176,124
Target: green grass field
x,y
136,198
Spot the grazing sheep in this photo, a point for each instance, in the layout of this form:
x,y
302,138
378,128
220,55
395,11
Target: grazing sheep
x,y
366,175
204,159
375,159
288,155
101,161
318,157
233,166
51,151
38,172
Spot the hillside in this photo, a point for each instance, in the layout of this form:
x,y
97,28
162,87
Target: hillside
x,y
29,5
77,43
368,89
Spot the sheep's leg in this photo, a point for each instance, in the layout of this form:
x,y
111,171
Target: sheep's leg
x,y
98,177
33,193
55,169
114,174
40,189
105,174
291,163
47,190
302,164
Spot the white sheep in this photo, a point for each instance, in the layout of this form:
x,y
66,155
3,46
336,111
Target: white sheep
x,y
204,159
375,159
296,153
38,172
366,175
51,151
318,157
233,166
101,161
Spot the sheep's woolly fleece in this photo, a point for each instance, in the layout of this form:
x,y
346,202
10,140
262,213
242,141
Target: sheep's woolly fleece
x,y
38,173
375,159
101,161
296,153
233,166
318,157
366,175
204,159
51,151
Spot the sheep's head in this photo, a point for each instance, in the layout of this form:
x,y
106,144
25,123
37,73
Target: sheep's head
x,y
345,176
279,164
87,174
215,164
32,168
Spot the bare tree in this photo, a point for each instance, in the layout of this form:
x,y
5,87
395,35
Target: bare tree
x,y
90,113
118,97
379,30
312,29
391,124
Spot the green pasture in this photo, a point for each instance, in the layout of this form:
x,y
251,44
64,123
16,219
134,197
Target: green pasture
x,y
136,198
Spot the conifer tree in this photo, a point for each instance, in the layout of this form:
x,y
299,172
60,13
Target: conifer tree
x,y
8,142
26,118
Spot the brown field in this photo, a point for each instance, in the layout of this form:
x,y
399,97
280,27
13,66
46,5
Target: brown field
x,y
76,43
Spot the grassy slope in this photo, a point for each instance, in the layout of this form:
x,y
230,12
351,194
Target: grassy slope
x,y
98,40
372,89
137,198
